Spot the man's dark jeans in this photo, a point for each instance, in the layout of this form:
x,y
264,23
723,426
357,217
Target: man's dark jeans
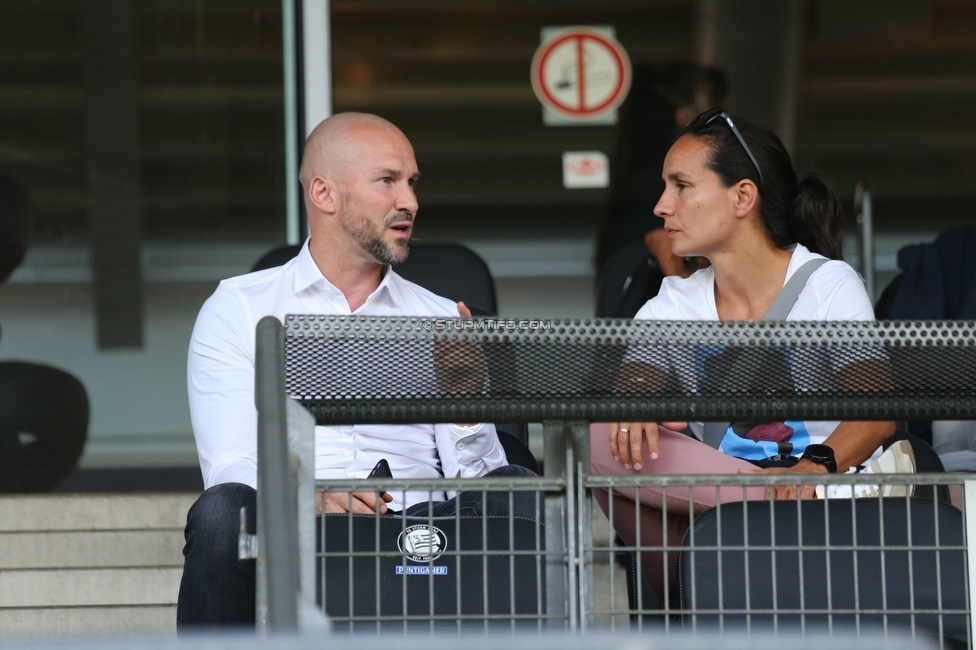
x,y
218,589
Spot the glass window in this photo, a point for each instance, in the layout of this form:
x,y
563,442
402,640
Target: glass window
x,y
148,139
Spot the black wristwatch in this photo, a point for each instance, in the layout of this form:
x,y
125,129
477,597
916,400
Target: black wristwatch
x,y
821,455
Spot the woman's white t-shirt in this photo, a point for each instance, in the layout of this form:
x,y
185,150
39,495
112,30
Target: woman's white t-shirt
x,y
833,292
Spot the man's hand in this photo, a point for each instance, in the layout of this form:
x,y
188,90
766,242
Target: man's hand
x,y
627,441
472,378
362,503
459,366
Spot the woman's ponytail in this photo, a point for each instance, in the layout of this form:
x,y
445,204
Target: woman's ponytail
x,y
793,208
816,217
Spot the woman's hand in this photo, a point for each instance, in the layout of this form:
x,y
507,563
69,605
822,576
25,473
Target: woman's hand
x,y
789,491
627,441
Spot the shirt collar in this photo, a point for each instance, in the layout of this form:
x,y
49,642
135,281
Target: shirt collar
x,y
307,274
391,284
307,271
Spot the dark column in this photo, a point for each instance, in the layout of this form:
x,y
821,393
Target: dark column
x,y
757,43
108,43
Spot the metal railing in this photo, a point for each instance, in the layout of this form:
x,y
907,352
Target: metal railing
x,y
459,572
564,590
217,640
893,565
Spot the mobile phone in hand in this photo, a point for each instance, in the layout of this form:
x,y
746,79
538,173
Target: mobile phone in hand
x,y
381,470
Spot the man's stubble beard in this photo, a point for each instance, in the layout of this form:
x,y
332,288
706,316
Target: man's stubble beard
x,y
384,253
359,228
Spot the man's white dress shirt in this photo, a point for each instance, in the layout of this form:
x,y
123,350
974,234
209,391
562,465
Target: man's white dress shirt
x,y
220,383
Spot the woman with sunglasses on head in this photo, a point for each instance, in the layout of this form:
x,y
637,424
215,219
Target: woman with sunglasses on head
x,y
732,196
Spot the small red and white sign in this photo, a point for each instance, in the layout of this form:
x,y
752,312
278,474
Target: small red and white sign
x,y
585,169
581,74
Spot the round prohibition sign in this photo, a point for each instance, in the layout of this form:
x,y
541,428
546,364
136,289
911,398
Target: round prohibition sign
x,y
581,74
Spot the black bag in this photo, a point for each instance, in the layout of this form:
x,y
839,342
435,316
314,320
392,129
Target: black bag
x,y
442,586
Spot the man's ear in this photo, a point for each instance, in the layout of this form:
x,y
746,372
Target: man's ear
x,y
746,196
322,194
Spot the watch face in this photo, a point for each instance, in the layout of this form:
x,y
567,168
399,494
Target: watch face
x,y
821,454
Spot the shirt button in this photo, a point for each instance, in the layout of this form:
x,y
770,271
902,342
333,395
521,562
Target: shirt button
x,y
461,445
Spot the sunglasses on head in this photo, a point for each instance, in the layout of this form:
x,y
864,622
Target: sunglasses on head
x,y
718,114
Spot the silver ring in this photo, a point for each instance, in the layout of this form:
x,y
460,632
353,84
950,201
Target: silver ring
x,y
621,430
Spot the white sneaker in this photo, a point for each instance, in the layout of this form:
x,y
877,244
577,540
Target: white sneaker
x,y
899,458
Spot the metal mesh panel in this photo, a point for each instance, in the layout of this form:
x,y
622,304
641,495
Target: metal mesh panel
x,y
401,370
430,571
398,369
894,566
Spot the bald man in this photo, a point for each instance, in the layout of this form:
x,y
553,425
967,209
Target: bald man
x,y
358,174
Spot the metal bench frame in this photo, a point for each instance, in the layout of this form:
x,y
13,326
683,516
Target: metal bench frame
x,y
286,539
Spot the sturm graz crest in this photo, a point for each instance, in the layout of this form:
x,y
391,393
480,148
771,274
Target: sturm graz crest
x,y
422,543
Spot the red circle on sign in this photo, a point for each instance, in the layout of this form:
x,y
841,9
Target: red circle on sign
x,y
582,113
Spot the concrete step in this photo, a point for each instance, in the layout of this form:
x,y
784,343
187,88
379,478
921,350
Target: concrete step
x,y
91,549
91,563
89,587
609,578
76,512
88,621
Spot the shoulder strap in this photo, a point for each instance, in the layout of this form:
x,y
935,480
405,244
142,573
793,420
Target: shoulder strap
x,y
715,431
784,302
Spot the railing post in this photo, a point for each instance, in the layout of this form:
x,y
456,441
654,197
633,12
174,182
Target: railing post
x,y
301,450
865,220
558,565
580,432
969,508
278,554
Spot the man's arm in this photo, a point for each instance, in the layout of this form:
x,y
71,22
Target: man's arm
x,y
476,449
466,373
220,387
